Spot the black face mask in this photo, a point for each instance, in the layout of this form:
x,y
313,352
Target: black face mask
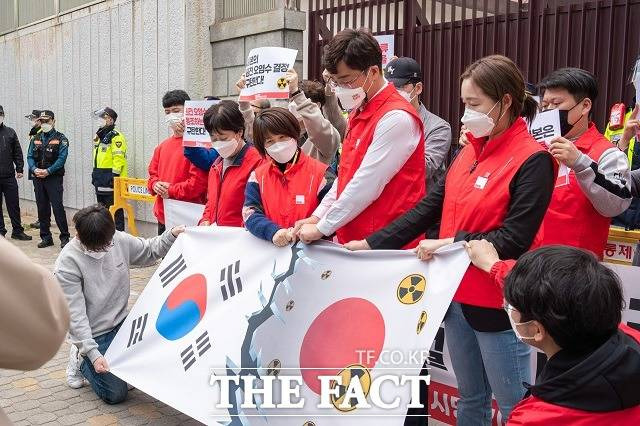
x,y
565,126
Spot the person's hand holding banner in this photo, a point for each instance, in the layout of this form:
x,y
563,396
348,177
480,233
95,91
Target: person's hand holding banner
x,y
265,76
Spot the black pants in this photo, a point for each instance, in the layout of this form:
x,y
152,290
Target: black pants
x,y
106,199
161,228
49,197
9,189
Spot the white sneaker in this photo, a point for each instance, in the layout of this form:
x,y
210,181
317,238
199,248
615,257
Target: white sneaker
x,y
75,379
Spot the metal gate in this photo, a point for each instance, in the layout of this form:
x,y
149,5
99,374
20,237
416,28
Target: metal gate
x,y
539,35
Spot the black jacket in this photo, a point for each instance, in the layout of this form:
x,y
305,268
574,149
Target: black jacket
x,y
10,153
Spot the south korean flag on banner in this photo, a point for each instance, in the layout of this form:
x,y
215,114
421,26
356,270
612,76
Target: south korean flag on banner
x,y
192,316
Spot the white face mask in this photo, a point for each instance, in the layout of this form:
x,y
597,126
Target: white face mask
x,y
514,325
1,119
173,118
46,127
283,151
406,95
97,254
351,99
225,148
293,108
478,123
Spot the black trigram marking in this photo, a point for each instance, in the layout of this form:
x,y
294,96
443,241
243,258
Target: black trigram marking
x,y
634,305
228,289
137,329
172,270
202,345
436,354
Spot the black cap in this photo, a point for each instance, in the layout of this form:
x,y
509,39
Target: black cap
x,y
34,114
110,112
46,114
1,110
403,70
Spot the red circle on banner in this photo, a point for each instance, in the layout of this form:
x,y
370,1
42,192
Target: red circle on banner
x,y
350,331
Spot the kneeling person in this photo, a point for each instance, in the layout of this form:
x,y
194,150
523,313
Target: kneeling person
x,y
93,270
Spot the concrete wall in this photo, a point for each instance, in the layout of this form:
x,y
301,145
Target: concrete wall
x,y
122,53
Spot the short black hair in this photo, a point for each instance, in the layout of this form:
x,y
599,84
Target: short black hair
x,y
225,115
313,90
174,97
94,227
577,299
578,82
357,48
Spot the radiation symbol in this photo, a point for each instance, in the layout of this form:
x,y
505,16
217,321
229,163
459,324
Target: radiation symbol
x,y
273,369
411,289
309,423
290,305
325,275
421,322
352,371
282,83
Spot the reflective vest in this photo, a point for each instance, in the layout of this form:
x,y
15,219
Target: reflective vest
x,y
109,160
403,191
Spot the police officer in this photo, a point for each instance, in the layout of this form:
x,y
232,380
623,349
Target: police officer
x,y
46,160
34,130
11,166
109,160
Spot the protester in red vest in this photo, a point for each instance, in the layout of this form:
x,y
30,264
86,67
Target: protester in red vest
x,y
230,171
498,188
382,168
288,186
597,187
566,304
171,175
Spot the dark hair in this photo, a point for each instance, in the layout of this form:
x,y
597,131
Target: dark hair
x,y
357,48
274,121
263,103
174,97
225,115
577,299
94,227
313,90
496,76
578,82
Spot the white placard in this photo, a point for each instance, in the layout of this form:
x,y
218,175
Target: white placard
x,y
636,80
178,212
194,132
264,75
544,128
387,45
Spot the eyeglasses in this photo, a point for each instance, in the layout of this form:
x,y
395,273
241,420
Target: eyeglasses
x,y
334,84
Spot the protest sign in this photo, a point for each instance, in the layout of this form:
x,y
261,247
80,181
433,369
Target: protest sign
x,y
228,303
386,43
264,75
544,127
194,132
177,212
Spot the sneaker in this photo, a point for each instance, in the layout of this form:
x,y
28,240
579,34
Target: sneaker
x,y
35,224
21,236
75,379
45,243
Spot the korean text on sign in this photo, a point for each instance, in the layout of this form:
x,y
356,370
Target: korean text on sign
x,y
194,132
265,73
544,128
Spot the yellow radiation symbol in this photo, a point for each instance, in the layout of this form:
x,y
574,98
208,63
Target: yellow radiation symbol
x,y
411,289
351,372
309,423
282,83
421,322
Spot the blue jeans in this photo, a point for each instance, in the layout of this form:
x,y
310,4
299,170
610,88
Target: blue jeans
x,y
108,387
484,362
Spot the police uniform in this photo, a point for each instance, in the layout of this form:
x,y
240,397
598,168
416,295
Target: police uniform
x,y
35,129
109,161
49,152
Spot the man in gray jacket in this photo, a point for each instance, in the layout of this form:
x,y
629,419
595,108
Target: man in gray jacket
x,y
93,270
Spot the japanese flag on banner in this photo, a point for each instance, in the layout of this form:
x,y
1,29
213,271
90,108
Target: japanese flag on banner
x,y
225,302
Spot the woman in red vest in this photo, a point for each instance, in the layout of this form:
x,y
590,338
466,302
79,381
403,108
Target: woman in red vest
x,y
230,171
288,186
498,188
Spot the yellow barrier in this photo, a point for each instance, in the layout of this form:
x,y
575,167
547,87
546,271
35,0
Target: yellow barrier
x,y
125,188
621,246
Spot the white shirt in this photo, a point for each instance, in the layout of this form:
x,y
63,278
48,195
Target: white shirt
x,y
395,138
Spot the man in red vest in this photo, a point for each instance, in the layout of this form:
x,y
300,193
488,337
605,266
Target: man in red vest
x,y
382,169
596,186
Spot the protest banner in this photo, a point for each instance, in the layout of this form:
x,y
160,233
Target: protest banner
x,y
223,301
544,127
194,132
177,212
386,43
264,75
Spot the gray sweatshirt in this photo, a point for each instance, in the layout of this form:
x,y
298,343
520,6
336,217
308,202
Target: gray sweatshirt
x,y
97,290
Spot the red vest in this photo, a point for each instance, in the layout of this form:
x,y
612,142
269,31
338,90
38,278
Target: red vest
x,y
292,195
477,199
571,219
225,193
403,191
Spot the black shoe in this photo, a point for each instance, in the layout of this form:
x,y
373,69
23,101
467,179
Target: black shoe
x,y
63,243
3,234
35,224
21,236
45,243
